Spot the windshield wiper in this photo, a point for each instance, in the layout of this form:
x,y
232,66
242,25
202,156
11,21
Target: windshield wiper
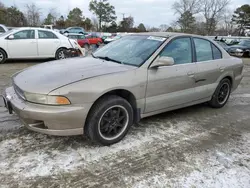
x,y
106,58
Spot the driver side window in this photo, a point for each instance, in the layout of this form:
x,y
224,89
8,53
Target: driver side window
x,y
25,34
180,50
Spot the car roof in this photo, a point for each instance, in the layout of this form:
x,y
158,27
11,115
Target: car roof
x,y
165,34
75,34
24,28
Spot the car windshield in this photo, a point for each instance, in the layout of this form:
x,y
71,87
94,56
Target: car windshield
x,y
130,50
245,43
81,37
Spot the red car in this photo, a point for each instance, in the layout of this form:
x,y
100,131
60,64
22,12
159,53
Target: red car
x,y
81,39
94,39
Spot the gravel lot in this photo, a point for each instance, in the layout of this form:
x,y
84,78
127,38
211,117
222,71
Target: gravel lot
x,y
192,147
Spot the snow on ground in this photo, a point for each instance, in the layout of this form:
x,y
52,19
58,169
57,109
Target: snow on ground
x,y
223,167
44,161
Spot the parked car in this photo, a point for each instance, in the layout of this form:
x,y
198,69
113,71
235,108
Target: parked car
x,y
231,42
79,30
94,39
132,78
223,45
24,43
3,29
80,38
111,39
242,49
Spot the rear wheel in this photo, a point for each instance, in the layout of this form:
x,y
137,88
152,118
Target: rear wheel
x,y
109,120
2,56
221,94
60,54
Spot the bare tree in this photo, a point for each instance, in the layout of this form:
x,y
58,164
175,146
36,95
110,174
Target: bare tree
x,y
164,27
33,15
212,11
94,24
182,6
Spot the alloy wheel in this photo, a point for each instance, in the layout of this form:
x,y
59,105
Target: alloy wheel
x,y
1,56
223,93
61,55
113,122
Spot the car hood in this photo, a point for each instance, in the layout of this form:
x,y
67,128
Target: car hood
x,y
237,47
46,77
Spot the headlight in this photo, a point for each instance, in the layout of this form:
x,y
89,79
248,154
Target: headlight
x,y
46,99
239,50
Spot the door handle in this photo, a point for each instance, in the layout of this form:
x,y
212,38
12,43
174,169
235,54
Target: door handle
x,y
32,42
190,74
222,69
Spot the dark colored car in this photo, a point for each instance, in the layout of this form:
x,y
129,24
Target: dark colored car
x,y
81,39
223,45
242,49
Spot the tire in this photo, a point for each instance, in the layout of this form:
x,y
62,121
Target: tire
x,y
60,54
246,54
220,97
101,125
81,33
2,56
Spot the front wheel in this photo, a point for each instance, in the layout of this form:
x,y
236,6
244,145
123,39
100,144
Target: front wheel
x,y
221,94
2,56
109,120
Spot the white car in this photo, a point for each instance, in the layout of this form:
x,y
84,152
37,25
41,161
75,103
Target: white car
x,y
3,29
33,43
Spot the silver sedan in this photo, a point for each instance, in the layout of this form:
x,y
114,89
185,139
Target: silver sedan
x,y
132,78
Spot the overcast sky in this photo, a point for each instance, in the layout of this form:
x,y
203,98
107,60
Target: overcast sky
x,y
149,12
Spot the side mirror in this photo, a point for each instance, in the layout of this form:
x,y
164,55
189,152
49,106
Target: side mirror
x,y
11,37
163,61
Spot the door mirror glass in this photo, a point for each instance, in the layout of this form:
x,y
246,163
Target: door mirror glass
x,y
11,37
163,61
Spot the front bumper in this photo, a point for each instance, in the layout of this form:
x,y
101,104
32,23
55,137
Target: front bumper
x,y
53,120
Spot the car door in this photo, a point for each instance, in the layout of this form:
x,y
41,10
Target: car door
x,y
22,44
210,66
48,43
173,85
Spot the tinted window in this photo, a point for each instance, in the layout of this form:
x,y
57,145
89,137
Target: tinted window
x,y
216,52
180,50
25,34
203,50
2,30
46,35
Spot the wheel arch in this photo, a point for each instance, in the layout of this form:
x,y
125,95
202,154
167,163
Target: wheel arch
x,y
229,78
4,52
125,94
60,49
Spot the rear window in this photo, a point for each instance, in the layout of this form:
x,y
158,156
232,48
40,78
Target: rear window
x,y
216,52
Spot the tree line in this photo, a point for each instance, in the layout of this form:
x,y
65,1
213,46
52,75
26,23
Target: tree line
x,y
205,17
210,17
